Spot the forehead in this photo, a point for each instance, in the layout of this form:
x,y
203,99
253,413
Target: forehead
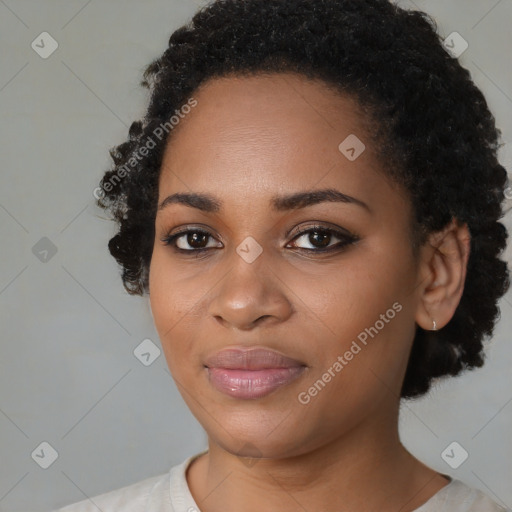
x,y
271,132
269,105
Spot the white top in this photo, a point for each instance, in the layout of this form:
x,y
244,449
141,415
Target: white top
x,y
170,493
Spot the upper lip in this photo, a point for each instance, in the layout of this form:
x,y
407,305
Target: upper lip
x,y
255,358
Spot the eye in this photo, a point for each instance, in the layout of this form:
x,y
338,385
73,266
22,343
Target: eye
x,y
190,240
320,237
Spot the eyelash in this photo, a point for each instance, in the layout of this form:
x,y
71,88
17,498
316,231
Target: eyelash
x,y
346,240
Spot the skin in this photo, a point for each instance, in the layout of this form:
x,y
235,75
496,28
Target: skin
x,y
248,140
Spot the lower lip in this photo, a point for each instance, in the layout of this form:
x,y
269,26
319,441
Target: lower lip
x,y
247,384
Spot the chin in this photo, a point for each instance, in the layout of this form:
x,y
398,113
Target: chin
x,y
253,439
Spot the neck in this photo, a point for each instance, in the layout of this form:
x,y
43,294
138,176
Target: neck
x,y
366,468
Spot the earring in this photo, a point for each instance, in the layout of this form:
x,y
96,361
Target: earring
x,y
434,328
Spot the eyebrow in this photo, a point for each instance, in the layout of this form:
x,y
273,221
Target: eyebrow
x,y
210,204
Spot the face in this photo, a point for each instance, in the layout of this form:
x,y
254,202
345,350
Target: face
x,y
282,281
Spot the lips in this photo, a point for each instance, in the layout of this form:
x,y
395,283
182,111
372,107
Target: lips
x,y
251,373
250,359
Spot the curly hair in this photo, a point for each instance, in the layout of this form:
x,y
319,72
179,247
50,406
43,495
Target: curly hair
x,y
433,130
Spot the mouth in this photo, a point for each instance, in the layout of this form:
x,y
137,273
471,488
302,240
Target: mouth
x,y
251,373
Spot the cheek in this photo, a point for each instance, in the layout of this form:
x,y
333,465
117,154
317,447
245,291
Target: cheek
x,y
161,296
171,295
177,304
351,296
363,312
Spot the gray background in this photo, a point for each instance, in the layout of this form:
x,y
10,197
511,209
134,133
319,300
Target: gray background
x,y
68,375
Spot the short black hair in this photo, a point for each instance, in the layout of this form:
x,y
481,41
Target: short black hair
x,y
433,130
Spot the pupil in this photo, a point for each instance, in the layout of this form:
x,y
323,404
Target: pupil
x,y
193,237
324,237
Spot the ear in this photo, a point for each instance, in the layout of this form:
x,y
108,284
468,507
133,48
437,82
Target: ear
x,y
442,273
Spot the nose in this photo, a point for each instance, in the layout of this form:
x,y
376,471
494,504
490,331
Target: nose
x,y
250,294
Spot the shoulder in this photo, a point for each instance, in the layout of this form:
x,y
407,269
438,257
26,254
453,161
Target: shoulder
x,y
459,497
131,498
166,492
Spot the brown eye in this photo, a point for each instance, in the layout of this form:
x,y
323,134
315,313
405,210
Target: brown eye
x,y
319,239
195,239
191,240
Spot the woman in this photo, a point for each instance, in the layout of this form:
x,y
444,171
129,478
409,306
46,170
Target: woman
x,y
311,203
